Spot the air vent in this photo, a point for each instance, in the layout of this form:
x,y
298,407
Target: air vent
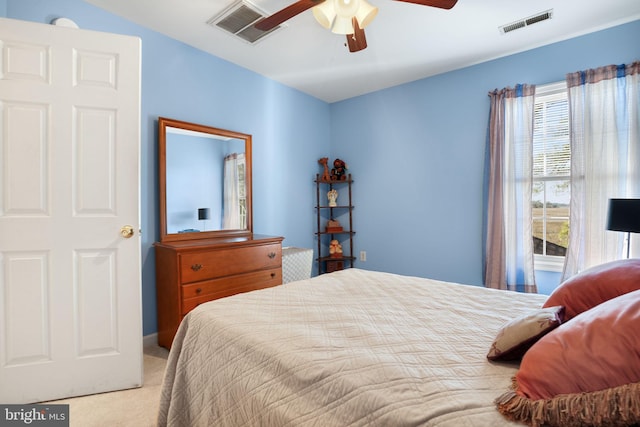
x,y
238,19
542,16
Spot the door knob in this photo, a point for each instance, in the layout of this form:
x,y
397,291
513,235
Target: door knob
x,y
126,231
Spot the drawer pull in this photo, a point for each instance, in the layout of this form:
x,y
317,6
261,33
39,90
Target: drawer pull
x,y
196,267
273,275
272,255
198,290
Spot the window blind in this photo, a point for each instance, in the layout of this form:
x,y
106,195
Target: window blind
x,y
551,148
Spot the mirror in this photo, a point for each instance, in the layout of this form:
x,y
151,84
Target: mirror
x,y
204,181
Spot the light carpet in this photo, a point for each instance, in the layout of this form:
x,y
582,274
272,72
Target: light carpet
x,y
136,407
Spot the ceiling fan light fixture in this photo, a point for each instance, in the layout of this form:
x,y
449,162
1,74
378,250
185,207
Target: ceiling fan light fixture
x,y
345,11
324,13
365,14
337,15
346,8
342,25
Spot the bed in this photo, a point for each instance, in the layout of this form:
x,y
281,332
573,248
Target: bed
x,y
350,348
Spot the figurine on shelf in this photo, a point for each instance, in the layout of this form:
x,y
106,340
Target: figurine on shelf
x,y
335,249
339,171
333,226
325,174
332,195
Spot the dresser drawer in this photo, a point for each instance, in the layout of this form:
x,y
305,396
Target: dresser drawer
x,y
191,272
198,266
197,293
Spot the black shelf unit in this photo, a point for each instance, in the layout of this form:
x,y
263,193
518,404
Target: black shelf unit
x,y
324,212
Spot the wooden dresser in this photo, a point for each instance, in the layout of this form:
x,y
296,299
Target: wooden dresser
x,y
191,272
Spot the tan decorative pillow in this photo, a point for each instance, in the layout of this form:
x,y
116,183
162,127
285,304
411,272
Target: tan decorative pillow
x,y
516,336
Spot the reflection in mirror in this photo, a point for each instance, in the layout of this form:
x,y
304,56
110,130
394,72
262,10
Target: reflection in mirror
x,y
206,182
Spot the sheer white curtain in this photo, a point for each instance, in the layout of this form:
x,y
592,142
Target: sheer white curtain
x,y
232,214
509,241
604,106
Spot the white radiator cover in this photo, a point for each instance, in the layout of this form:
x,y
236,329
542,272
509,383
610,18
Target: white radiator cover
x,y
296,264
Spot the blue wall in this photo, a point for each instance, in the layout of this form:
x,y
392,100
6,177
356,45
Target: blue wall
x,y
290,129
416,151
194,180
417,154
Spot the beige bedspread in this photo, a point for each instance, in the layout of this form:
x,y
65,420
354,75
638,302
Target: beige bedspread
x,y
351,348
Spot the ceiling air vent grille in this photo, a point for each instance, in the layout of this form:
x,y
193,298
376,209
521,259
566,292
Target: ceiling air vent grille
x,y
238,19
542,16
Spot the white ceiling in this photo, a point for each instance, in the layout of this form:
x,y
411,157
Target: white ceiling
x,y
406,42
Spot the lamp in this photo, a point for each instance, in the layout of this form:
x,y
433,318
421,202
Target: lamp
x,y
624,215
203,215
337,15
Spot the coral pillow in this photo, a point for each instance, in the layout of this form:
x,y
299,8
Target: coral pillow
x,y
585,372
517,335
595,286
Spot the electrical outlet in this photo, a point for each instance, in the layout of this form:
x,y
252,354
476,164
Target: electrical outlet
x,y
363,255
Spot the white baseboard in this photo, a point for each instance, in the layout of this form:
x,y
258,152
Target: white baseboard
x,y
150,340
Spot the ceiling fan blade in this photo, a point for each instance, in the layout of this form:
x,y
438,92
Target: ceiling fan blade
x,y
442,4
356,41
288,12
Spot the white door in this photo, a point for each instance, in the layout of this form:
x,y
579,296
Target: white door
x,y
70,282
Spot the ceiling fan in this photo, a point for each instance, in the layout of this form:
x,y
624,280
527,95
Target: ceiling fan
x,y
348,17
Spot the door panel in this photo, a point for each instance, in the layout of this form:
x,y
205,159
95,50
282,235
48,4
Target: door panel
x,y
26,306
24,159
94,162
70,285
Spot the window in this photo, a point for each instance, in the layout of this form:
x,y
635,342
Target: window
x,y
242,193
551,176
235,192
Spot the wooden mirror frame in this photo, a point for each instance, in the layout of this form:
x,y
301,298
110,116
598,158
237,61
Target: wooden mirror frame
x,y
163,124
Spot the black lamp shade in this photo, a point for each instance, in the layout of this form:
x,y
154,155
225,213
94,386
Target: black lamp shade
x,y
624,215
203,213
